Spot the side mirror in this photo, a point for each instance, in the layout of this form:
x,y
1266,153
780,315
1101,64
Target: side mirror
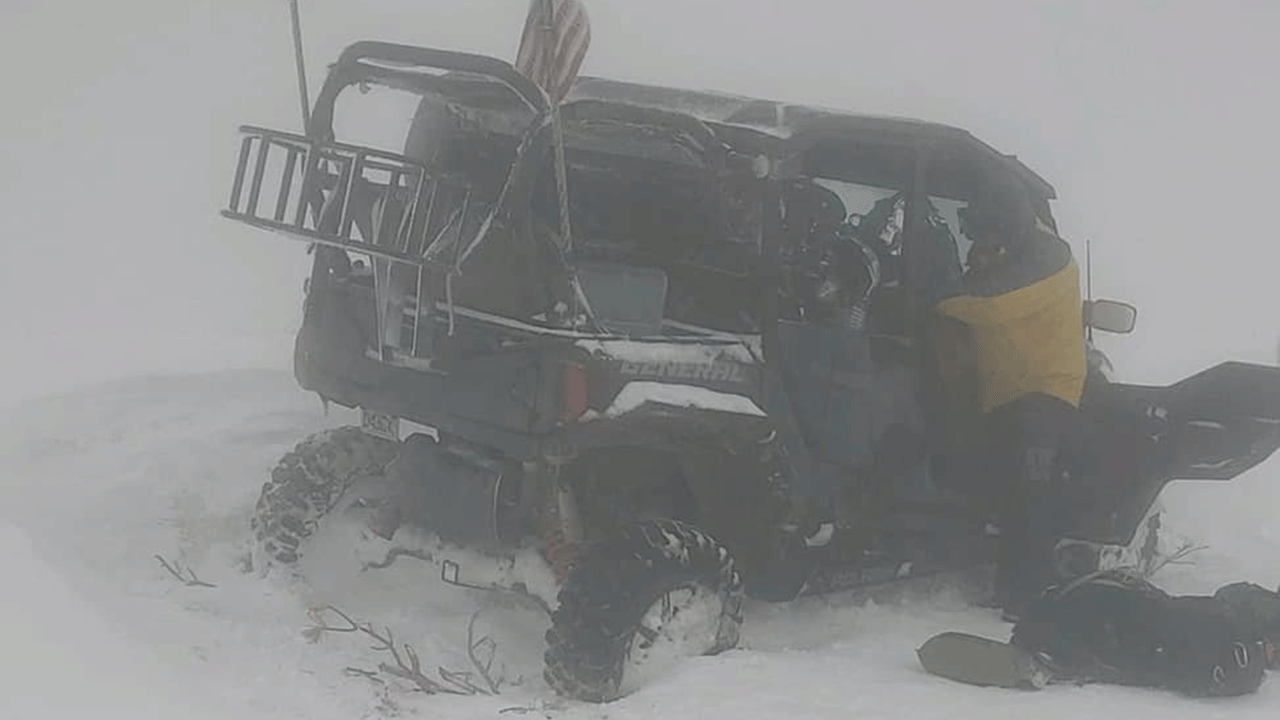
x,y
1110,316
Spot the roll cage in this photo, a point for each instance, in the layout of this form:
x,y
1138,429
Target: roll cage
x,y
754,145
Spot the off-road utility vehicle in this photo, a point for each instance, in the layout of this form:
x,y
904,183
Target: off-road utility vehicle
x,y
663,400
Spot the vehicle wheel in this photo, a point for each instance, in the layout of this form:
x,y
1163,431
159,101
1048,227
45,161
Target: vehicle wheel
x,y
637,601
306,484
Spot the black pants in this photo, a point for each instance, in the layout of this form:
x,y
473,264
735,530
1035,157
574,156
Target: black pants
x,y
1028,437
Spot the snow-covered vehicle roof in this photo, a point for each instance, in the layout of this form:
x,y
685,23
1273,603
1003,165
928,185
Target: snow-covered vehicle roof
x,y
493,90
789,123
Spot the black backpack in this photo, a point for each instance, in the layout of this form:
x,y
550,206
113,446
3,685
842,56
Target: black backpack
x,y
1113,627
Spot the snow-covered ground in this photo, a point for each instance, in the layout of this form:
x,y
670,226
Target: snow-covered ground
x,y
125,270
99,481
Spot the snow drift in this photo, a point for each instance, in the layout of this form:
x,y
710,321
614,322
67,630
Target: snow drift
x,y
98,482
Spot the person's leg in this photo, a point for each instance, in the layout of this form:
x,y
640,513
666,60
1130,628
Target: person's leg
x,y
1004,443
1029,434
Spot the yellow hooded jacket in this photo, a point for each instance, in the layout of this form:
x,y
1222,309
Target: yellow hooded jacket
x,y
1026,337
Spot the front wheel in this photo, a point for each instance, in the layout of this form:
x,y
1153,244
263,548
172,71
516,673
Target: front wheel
x,y
635,602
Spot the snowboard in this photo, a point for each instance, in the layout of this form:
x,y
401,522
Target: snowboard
x,y
978,660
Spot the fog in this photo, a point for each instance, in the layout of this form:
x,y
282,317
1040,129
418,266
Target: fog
x,y
118,140
1154,120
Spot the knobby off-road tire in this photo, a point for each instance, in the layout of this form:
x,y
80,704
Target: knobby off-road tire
x,y
618,608
306,484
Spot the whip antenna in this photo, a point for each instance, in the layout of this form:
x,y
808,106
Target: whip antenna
x,y
1088,284
302,71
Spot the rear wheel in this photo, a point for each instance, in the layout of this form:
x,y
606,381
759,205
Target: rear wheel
x,y
634,603
306,484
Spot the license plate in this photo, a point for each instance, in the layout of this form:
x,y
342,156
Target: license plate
x,y
380,425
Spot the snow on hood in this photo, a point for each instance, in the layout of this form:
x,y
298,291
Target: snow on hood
x,y
639,392
643,352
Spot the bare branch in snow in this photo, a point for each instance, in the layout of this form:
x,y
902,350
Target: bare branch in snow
x,y
176,570
1177,557
319,627
475,647
370,675
463,681
411,670
405,663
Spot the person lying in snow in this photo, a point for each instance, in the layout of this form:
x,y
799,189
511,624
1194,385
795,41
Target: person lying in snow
x,y
1112,627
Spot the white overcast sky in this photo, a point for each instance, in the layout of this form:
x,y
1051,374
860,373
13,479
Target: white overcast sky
x,y
1156,121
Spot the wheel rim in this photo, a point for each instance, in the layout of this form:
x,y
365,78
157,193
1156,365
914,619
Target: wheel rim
x,y
683,622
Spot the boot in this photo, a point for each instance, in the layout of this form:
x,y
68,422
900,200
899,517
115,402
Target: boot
x,y
1261,608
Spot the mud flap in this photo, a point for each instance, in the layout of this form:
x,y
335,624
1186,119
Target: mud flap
x,y
1213,425
982,661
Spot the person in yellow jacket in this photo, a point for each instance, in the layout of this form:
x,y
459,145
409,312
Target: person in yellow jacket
x,y
1020,303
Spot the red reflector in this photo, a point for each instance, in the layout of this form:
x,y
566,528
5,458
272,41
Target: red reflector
x,y
575,391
